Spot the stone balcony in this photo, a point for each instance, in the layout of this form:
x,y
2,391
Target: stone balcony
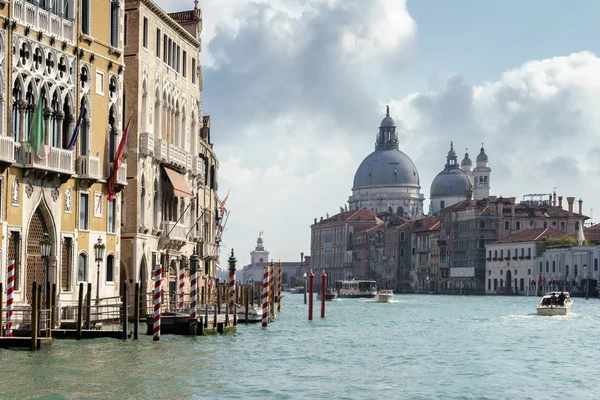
x,y
211,251
122,174
7,151
88,167
172,155
58,161
28,13
174,233
147,144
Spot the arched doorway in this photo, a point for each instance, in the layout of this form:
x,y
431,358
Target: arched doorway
x,y
172,279
143,287
508,282
35,264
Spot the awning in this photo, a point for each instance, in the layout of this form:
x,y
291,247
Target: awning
x,y
180,186
219,266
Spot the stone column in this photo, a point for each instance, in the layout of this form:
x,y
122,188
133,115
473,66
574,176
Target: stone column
x,y
47,113
59,128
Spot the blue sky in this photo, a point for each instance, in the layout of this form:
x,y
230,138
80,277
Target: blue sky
x,y
296,90
481,39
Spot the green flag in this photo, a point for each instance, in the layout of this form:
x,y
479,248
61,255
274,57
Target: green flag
x,y
37,128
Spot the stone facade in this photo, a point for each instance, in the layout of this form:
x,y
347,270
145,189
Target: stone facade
x,y
73,65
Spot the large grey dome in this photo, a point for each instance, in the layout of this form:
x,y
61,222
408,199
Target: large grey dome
x,y
449,183
386,168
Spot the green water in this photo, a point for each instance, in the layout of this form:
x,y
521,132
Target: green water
x,y
418,347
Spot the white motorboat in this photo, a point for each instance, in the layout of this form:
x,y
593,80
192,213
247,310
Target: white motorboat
x,y
254,313
355,289
385,296
555,303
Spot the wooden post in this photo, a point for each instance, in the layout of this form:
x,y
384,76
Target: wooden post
x,y
219,298
203,295
252,295
1,310
226,314
206,316
272,288
323,293
215,321
136,312
311,282
88,307
34,316
80,311
246,304
53,311
124,301
279,287
235,314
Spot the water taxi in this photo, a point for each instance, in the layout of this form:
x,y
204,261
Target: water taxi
x,y
385,296
555,303
355,289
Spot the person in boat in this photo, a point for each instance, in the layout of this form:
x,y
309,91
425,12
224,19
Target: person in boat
x,y
561,299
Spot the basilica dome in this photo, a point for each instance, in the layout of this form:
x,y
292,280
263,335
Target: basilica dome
x,y
452,181
386,168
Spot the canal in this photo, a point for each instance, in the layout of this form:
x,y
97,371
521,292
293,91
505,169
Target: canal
x,y
418,347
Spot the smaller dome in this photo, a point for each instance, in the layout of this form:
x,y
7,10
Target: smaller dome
x,y
388,121
482,156
259,240
451,153
449,183
466,160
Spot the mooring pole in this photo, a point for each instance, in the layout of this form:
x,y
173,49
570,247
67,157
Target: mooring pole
x,y
136,311
323,293
232,288
80,311
1,310
311,282
53,312
265,297
124,301
157,302
88,306
246,304
272,288
279,287
34,316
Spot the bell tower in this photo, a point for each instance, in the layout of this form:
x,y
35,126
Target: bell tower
x,y
481,175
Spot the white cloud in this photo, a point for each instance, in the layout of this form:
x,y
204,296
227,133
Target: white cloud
x,y
292,117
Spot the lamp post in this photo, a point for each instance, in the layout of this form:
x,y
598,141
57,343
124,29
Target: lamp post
x,y
45,250
305,287
99,248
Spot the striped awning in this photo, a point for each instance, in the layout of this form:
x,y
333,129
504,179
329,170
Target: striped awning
x,y
180,186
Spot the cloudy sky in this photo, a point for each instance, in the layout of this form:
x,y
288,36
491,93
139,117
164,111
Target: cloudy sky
x,y
296,90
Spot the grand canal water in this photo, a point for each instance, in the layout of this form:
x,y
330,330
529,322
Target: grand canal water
x,y
418,347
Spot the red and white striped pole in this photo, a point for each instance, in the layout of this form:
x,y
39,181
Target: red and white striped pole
x,y
232,262
265,297
157,304
181,284
194,285
9,297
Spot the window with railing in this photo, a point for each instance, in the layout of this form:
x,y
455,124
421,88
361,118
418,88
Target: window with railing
x,y
112,207
110,268
82,267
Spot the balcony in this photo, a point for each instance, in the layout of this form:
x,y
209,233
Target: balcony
x,y
211,250
147,144
423,249
88,167
175,231
7,151
58,161
172,155
30,14
122,174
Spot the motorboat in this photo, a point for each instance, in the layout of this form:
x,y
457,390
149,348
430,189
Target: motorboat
x,y
555,303
297,290
330,294
385,296
357,288
254,313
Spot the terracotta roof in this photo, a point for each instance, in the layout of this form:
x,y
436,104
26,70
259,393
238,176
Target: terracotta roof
x,y
187,16
531,235
364,214
592,233
427,224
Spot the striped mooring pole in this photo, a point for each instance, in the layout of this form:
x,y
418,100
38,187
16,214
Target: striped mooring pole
x,y
279,287
194,285
9,298
232,262
157,305
180,285
272,288
265,297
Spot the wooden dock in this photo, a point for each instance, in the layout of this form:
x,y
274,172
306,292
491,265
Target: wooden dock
x,y
184,325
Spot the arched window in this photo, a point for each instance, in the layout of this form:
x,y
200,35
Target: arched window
x,y
66,127
595,264
54,128
112,134
402,252
547,266
84,135
562,226
144,123
156,206
506,225
110,268
30,100
16,111
400,211
566,270
518,226
545,224
157,117
575,270
82,270
143,201
553,266
577,226
540,267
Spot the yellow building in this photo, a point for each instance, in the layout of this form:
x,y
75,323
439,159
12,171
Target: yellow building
x,y
67,55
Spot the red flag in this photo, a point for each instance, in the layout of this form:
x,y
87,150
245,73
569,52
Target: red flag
x,y
112,179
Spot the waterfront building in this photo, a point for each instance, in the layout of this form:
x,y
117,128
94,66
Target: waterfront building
x,y
469,225
172,207
427,259
510,262
61,67
387,179
573,269
333,236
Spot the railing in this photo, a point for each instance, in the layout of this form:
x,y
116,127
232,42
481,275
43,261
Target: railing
x,y
177,156
122,174
147,144
43,20
211,250
7,148
172,154
161,150
175,231
88,166
423,249
57,160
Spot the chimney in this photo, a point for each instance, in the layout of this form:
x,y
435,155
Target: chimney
x,y
580,204
554,201
321,219
570,201
559,201
315,220
301,257
549,199
512,206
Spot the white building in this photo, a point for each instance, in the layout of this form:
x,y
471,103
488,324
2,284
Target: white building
x,y
568,269
387,179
